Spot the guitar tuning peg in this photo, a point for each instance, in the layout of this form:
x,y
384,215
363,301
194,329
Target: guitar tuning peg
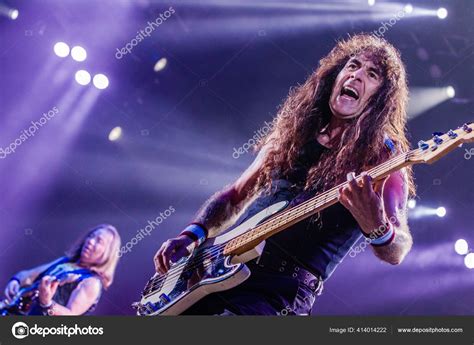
x,y
452,134
437,139
438,134
466,128
423,145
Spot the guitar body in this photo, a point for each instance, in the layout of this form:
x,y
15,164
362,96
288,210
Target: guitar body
x,y
205,271
21,304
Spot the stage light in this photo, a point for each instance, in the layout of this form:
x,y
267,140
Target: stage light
x,y
461,247
160,64
411,203
61,49
78,53
83,77
450,92
100,81
371,2
442,13
13,13
115,134
408,8
469,260
440,212
423,99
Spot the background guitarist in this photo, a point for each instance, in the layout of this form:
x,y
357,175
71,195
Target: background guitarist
x,y
72,285
337,123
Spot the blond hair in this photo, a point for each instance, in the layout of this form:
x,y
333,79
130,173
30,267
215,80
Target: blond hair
x,y
105,270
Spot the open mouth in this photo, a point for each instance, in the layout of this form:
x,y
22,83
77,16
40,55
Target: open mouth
x,y
349,92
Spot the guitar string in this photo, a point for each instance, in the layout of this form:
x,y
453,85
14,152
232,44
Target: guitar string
x,y
301,209
373,171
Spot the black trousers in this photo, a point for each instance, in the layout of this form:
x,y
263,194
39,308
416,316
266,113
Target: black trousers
x,y
263,293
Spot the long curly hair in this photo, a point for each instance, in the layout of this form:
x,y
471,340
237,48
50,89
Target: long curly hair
x,y
306,112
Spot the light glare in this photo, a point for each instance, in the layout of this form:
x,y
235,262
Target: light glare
x,y
450,91
440,212
160,64
115,134
14,14
83,77
100,81
469,260
442,13
461,247
61,49
78,53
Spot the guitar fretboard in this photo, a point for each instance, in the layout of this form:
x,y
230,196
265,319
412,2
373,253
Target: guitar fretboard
x,y
289,217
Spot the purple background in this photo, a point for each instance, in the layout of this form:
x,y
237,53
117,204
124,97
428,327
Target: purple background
x,y
229,66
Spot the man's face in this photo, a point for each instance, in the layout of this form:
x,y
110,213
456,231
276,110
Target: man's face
x,y
355,84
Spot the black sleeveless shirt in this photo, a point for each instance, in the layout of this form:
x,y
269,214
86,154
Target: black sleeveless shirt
x,y
320,242
63,266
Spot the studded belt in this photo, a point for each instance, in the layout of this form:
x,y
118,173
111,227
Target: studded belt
x,y
275,262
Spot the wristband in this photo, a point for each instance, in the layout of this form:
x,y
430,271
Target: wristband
x,y
48,310
15,278
386,238
196,231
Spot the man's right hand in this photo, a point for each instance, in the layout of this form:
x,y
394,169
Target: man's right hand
x,y
171,251
12,289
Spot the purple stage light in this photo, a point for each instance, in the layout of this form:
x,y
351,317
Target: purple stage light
x,y
461,247
78,53
469,260
61,49
100,81
13,13
83,77
441,212
442,13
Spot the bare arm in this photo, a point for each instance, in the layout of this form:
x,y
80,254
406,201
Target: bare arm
x,y
215,212
373,207
224,204
82,298
395,197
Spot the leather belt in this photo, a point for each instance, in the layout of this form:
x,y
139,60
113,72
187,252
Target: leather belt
x,y
275,262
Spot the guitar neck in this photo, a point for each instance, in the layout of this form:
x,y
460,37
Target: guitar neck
x,y
289,217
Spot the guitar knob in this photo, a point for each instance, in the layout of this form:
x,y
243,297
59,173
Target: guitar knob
x,y
466,128
452,134
423,145
136,305
434,147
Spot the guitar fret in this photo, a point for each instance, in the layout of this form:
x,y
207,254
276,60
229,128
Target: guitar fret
x,y
318,202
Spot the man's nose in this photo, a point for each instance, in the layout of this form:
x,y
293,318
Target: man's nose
x,y
357,75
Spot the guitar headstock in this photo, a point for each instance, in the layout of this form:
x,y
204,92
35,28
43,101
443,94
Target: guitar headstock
x,y
441,144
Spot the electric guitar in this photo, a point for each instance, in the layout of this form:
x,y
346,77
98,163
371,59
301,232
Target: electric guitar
x,y
26,297
219,263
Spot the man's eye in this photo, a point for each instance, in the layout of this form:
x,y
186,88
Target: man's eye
x,y
373,75
352,66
